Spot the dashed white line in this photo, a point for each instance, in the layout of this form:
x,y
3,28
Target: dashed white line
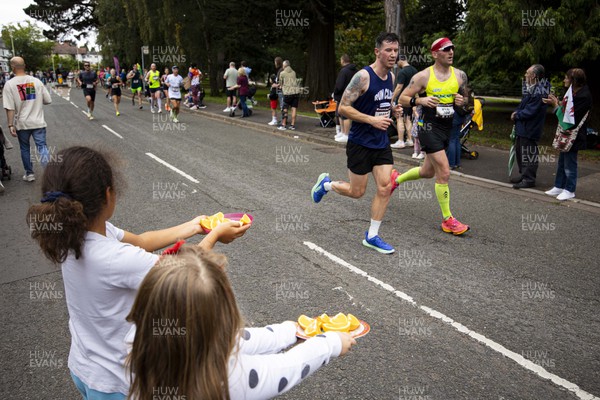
x,y
180,172
84,113
519,359
75,105
111,131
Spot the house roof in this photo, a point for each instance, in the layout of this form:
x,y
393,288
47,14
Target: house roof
x,y
68,48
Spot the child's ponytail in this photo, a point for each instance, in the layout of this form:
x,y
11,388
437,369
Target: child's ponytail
x,y
73,195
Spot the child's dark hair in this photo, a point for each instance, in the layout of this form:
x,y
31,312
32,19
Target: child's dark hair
x,y
73,195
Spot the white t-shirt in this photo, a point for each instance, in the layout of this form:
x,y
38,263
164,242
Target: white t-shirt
x,y
175,82
100,289
231,75
258,370
26,95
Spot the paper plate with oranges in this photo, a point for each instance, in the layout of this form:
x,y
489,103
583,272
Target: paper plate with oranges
x,y
210,223
311,327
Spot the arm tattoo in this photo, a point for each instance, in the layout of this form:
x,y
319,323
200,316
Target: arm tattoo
x,y
463,89
355,88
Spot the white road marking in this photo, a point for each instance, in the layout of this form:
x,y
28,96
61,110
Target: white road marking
x,y
519,359
84,113
113,132
75,105
180,172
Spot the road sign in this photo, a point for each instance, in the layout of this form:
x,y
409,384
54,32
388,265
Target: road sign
x,y
146,49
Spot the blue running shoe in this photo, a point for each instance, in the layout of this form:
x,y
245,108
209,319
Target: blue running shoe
x,y
318,191
378,244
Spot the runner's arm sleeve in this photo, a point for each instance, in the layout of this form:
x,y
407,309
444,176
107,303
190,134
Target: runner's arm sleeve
x,y
266,376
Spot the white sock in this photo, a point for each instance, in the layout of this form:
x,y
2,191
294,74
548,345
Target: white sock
x,y
373,229
338,130
159,103
327,186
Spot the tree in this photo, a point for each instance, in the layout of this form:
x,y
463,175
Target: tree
x,y
64,17
29,43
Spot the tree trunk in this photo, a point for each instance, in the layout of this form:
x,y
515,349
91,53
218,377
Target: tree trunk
x,y
321,71
390,7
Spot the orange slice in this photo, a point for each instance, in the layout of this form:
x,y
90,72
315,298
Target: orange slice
x,y
327,327
313,329
339,319
323,318
354,322
305,321
245,219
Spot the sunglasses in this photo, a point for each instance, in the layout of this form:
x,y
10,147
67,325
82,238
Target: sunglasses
x,y
447,49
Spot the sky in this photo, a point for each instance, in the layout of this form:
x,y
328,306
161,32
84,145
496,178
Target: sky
x,y
12,12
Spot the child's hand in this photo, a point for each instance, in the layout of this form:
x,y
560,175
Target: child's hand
x,y
347,342
227,232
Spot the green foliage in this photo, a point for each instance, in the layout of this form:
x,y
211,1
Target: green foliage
x,y
29,43
74,17
500,40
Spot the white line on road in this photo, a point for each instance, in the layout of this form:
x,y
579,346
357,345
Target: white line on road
x,y
75,105
113,132
519,359
180,172
84,113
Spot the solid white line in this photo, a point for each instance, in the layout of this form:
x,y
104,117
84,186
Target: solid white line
x,y
111,131
180,172
519,359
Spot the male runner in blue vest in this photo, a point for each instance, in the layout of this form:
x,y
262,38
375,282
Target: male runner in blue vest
x,y
367,101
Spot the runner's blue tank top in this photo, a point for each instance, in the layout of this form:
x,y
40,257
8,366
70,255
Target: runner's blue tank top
x,y
376,101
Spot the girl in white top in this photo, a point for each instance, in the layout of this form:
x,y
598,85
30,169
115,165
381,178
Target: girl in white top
x,y
189,341
102,265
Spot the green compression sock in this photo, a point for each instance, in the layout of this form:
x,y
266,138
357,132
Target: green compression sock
x,y
410,175
442,191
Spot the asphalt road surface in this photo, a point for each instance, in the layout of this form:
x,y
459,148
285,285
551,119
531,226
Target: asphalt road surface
x,y
507,311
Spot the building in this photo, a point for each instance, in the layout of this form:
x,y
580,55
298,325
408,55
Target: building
x,y
5,55
81,54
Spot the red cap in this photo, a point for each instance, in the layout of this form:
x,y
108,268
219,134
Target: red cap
x,y
441,44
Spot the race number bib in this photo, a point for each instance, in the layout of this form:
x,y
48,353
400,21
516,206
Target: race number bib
x,y
175,89
115,86
89,86
155,77
383,111
444,111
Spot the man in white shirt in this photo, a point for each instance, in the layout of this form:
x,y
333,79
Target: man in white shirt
x,y
230,76
174,82
24,98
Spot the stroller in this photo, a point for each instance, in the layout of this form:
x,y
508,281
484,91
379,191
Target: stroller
x,y
5,169
475,117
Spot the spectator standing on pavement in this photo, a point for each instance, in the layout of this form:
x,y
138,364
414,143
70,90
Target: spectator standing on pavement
x,y
275,94
279,69
343,79
230,76
195,78
102,265
244,90
529,120
24,97
291,95
566,172
252,91
403,124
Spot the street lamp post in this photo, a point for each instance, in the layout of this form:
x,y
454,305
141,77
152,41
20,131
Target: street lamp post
x,y
12,43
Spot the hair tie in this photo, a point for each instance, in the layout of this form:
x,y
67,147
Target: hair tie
x,y
53,196
173,249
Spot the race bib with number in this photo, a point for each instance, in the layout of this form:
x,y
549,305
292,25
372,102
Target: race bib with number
x,y
444,111
155,77
175,89
89,86
115,86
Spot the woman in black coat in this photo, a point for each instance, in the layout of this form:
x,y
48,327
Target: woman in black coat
x,y
566,173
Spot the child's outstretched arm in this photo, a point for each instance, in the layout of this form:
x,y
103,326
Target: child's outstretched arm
x,y
154,240
263,376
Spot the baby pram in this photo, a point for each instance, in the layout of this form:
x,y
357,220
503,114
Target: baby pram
x,y
475,117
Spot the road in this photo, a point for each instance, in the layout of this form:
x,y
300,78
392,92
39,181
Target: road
x,y
508,311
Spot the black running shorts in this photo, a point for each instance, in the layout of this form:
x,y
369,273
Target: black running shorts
x,y
90,92
361,160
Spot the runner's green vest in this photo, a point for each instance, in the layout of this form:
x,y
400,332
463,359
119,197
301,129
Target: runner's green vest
x,y
154,77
